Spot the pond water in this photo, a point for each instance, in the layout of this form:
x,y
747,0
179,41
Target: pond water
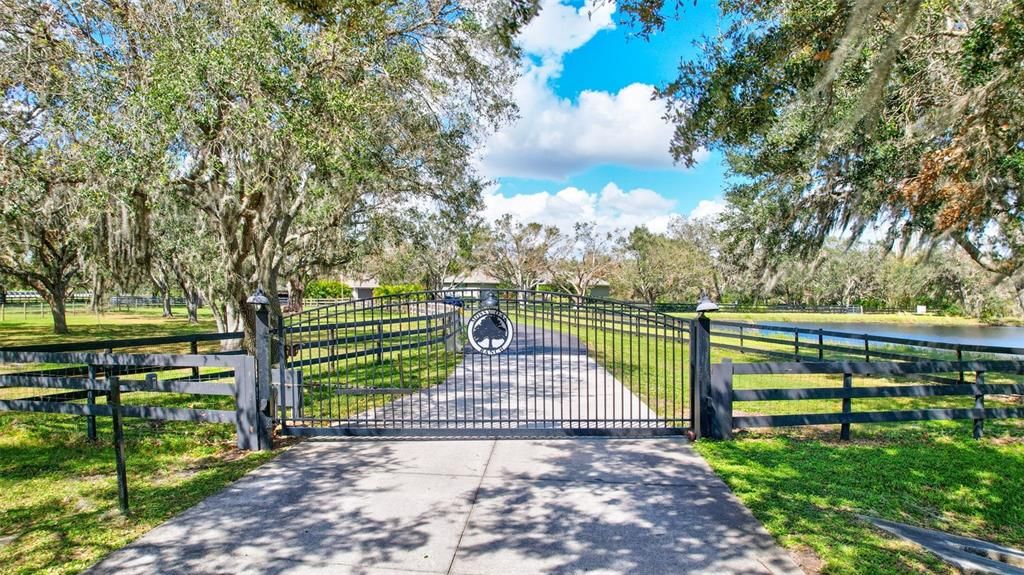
x,y
967,334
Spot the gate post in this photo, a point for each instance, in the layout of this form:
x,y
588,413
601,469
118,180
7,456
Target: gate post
x,y
702,374
700,352
264,430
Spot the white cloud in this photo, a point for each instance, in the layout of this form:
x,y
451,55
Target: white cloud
x,y
708,209
560,28
555,137
610,209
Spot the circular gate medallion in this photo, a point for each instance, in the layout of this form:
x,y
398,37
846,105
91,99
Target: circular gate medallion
x,y
490,331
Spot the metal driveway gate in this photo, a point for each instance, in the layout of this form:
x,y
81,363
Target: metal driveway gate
x,y
482,362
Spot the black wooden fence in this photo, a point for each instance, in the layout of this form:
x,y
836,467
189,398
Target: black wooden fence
x,y
93,373
719,398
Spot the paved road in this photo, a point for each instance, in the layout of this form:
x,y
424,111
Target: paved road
x,y
474,507
546,379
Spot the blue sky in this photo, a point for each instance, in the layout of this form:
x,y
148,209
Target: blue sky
x,y
590,143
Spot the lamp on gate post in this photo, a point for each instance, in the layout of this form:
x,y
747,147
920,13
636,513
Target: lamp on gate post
x,y
701,367
705,305
490,300
258,299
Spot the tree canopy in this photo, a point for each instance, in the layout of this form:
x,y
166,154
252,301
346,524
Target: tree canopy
x,y
223,144
836,116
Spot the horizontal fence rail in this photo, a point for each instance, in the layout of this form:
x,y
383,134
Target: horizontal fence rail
x,y
721,396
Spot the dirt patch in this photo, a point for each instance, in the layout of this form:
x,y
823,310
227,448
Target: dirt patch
x,y
807,559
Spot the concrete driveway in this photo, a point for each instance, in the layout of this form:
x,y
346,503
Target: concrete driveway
x,y
579,505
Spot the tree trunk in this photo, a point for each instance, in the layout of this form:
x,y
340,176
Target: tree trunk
x,y
58,311
165,295
296,290
159,278
98,292
192,305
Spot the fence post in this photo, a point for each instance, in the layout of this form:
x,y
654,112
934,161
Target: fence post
x,y
122,472
721,400
960,358
194,350
867,348
979,403
741,339
701,351
821,345
796,344
90,400
844,429
262,405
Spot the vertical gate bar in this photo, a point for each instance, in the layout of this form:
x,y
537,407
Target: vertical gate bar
x,y
513,358
443,377
431,357
796,344
489,414
959,359
844,429
979,404
384,375
314,332
607,315
556,332
533,354
867,349
591,344
644,340
821,345
623,391
692,372
363,397
282,366
331,371
545,385
297,411
581,371
566,374
575,357
119,455
348,316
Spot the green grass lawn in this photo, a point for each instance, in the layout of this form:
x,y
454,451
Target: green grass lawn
x,y
33,328
58,494
808,488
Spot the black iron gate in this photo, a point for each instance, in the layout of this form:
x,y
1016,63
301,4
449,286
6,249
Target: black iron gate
x,y
482,362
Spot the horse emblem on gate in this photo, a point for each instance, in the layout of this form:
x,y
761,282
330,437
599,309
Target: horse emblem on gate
x,y
490,332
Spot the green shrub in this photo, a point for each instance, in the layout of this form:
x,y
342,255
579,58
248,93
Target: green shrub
x,y
396,289
327,289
